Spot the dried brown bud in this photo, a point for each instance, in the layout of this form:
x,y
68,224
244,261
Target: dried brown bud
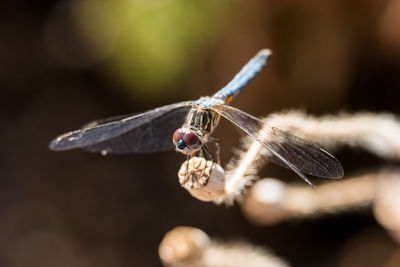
x,y
203,179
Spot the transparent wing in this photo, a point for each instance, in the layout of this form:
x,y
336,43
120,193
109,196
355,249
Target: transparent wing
x,y
288,150
94,123
150,131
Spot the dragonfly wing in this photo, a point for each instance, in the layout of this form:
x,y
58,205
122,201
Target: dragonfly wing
x,y
150,131
302,156
92,124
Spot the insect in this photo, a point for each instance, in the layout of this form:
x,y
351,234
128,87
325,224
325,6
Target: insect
x,y
190,124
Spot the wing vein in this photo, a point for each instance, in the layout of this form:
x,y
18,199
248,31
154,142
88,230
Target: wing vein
x,y
286,149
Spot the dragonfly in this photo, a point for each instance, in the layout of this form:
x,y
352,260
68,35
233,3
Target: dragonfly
x,y
191,123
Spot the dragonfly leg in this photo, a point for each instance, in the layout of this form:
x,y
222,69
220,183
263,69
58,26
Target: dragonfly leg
x,y
192,177
187,168
203,154
203,178
217,143
206,149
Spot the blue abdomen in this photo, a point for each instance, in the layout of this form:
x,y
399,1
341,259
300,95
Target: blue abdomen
x,y
245,75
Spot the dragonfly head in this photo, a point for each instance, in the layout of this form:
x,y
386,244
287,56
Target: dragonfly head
x,y
187,141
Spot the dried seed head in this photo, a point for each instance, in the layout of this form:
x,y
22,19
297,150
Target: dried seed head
x,y
203,179
183,245
191,247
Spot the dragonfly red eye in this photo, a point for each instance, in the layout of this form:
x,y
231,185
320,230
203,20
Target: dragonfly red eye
x,y
177,136
190,138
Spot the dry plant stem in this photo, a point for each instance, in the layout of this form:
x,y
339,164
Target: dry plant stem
x,y
387,206
382,190
378,133
191,247
241,172
304,201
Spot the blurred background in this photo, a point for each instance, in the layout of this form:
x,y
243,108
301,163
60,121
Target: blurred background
x,y
64,63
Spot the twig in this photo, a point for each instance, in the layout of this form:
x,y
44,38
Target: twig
x,y
191,247
271,201
377,133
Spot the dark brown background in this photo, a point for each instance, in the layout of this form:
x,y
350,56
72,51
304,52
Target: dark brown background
x,y
80,209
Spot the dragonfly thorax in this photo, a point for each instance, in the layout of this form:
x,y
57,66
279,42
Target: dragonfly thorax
x,y
202,119
187,140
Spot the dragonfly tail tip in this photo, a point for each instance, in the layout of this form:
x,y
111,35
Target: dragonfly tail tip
x,y
265,52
